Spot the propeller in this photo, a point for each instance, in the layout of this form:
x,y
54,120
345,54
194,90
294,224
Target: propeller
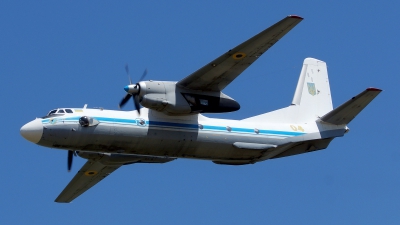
x,y
70,154
132,90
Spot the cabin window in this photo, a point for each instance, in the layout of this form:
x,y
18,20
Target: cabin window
x,y
61,111
68,110
142,122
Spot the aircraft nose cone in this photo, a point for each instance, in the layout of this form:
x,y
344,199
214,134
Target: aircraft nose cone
x,y
32,131
126,88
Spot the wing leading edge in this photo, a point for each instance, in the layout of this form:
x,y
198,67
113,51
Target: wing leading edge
x,y
217,74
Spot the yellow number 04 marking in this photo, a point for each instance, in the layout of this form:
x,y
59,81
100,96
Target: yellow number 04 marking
x,y
297,128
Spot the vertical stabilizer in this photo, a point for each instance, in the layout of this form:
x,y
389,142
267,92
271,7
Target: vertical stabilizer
x,y
313,94
312,98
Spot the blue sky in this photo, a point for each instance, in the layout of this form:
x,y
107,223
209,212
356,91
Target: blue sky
x,y
70,53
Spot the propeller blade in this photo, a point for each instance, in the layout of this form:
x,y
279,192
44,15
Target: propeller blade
x,y
127,72
136,102
143,75
124,100
132,93
70,154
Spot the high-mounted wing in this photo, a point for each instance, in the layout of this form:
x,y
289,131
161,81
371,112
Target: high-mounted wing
x,y
98,167
216,75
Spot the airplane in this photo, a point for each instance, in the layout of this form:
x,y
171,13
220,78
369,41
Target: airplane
x,y
171,125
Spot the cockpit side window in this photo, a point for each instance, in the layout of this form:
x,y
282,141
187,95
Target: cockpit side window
x,y
60,111
52,112
68,111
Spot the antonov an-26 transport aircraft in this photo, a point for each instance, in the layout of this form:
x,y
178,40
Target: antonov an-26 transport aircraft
x,y
170,124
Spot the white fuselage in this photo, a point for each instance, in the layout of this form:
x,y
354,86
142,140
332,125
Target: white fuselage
x,y
194,136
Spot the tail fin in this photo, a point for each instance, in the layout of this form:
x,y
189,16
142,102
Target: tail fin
x,y
312,98
350,109
313,93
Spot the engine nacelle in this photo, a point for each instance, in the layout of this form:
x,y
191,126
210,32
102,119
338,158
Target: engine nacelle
x,y
167,97
152,95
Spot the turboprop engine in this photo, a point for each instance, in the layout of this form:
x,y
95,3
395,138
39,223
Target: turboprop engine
x,y
168,97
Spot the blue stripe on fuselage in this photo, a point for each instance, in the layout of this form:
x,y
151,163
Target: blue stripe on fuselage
x,y
162,124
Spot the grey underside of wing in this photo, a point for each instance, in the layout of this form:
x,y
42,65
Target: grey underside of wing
x,y
216,75
89,175
346,112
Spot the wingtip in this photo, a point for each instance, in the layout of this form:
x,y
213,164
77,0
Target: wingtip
x,y
58,201
296,17
373,89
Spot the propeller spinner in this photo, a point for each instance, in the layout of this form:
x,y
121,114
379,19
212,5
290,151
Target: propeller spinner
x,y
132,90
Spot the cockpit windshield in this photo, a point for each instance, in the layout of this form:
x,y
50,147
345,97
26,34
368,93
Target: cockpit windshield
x,y
58,112
52,112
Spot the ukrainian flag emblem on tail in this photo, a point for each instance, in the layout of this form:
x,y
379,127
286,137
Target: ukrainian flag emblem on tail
x,y
311,89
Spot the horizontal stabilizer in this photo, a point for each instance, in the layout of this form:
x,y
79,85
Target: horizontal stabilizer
x,y
350,109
